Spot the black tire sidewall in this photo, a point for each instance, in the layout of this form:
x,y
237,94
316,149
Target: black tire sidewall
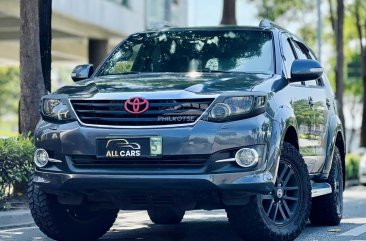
x,y
249,222
303,209
53,220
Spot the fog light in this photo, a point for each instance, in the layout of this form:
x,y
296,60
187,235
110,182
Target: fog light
x,y
246,157
41,158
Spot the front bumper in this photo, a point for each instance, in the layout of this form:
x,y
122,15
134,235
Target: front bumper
x,y
216,182
62,182
140,192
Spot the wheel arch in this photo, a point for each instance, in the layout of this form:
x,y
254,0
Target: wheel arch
x,y
335,138
283,130
340,144
291,137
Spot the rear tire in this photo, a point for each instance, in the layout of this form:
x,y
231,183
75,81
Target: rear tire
x,y
166,215
67,223
280,215
328,209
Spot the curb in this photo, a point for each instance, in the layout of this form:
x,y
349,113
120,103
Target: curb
x,y
21,225
15,219
352,183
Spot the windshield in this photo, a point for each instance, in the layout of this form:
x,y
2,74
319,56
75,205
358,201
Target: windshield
x,y
249,51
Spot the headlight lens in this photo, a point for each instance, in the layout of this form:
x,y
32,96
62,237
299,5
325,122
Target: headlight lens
x,y
220,111
54,108
237,107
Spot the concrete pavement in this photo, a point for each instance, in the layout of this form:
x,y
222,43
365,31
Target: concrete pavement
x,y
213,226
15,219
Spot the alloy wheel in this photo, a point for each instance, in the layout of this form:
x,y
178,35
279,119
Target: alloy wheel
x,y
281,205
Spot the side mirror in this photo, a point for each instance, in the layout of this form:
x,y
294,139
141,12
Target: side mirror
x,y
305,69
81,72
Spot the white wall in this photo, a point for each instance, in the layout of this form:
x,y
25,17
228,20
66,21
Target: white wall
x,y
105,14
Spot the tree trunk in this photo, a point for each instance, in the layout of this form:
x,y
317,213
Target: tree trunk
x,y
45,33
31,79
229,13
97,51
339,71
362,69
363,75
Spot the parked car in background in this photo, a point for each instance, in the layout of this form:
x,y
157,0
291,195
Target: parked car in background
x,y
178,119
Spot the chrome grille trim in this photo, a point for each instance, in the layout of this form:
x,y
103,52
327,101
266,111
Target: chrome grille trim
x,y
153,102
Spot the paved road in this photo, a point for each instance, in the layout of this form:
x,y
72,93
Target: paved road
x,y
213,226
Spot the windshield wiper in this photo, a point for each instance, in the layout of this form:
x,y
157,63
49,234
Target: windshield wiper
x,y
214,71
125,73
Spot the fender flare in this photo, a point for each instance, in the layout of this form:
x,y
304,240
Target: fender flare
x,y
283,119
335,127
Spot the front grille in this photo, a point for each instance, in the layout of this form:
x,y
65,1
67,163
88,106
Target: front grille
x,y
198,161
160,112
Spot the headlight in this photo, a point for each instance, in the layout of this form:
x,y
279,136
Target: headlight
x,y
54,108
237,107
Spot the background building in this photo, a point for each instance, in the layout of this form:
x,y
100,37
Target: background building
x,y
85,30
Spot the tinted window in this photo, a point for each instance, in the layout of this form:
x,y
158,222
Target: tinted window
x,y
289,56
303,53
185,51
299,51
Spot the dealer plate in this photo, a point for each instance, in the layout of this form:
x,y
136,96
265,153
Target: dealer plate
x,y
129,147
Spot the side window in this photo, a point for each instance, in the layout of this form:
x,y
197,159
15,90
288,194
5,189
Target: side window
x,y
303,53
299,52
288,54
320,82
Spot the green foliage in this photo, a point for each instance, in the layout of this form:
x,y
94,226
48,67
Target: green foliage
x,y
353,84
274,9
122,67
9,99
9,90
308,34
16,162
352,166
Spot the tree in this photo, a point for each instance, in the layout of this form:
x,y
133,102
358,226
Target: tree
x,y
229,13
358,10
337,22
32,83
45,33
274,9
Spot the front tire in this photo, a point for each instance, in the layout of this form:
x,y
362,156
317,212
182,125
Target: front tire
x,y
282,214
328,209
67,223
166,215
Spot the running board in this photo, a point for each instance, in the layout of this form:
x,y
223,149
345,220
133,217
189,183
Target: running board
x,y
320,189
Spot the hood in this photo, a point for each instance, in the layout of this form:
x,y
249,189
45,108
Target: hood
x,y
199,83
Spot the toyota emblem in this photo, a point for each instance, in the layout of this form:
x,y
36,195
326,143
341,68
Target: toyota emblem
x,y
136,105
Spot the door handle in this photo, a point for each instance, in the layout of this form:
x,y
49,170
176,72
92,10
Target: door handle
x,y
327,102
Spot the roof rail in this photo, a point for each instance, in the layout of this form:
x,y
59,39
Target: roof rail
x,y
265,23
160,26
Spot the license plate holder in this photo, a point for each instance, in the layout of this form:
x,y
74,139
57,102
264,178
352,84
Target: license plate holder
x,y
129,147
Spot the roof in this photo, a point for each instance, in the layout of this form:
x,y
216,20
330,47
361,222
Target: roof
x,y
207,28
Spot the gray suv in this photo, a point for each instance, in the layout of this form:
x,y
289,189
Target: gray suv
x,y
178,119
